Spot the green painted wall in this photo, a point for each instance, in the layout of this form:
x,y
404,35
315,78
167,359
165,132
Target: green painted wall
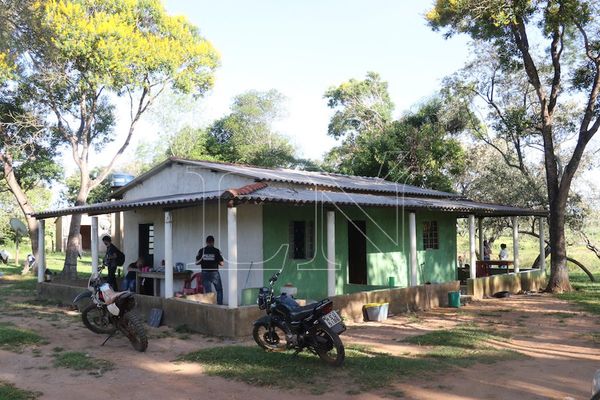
x,y
437,265
387,248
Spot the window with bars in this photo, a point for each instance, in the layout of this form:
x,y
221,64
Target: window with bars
x,y
301,240
430,235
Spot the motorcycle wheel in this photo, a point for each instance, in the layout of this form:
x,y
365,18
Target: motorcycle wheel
x,y
269,340
133,328
329,347
97,319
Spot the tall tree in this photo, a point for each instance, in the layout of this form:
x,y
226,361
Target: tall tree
x,y
555,45
25,150
84,54
361,106
417,149
246,135
26,158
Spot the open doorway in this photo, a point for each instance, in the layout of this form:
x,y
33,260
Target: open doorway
x,y
357,252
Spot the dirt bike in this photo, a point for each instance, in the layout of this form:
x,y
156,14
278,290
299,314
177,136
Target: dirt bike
x,y
111,311
288,326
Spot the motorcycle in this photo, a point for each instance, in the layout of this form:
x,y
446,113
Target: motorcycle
x,y
289,326
111,311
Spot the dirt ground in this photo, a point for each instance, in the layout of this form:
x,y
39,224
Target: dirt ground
x,y
556,336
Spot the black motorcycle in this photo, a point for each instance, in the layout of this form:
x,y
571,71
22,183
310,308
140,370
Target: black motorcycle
x,y
289,326
110,311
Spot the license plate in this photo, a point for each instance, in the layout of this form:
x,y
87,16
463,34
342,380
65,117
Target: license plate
x,y
331,319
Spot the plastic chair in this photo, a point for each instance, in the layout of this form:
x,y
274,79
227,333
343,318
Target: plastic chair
x,y
187,285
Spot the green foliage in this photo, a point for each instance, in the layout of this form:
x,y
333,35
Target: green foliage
x,y
125,44
418,149
244,136
9,391
23,144
14,338
465,336
364,369
99,194
39,197
361,107
586,294
79,361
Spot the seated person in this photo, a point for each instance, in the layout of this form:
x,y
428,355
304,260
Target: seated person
x,y
129,281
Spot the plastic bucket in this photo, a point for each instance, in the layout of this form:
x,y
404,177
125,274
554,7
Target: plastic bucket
x,y
454,299
377,311
249,296
391,281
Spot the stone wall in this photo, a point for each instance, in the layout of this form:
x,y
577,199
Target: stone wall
x,y
401,300
237,322
530,281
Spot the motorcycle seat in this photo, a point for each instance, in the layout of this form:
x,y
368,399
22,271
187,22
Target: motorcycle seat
x,y
302,312
110,296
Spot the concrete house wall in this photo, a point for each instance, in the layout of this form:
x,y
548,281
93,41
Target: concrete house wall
x,y
191,225
387,248
179,179
263,235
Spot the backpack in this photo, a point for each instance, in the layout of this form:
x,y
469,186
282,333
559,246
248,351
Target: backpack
x,y
120,258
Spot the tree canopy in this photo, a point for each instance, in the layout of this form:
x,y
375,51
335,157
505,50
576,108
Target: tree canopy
x,y
245,135
72,59
550,51
419,148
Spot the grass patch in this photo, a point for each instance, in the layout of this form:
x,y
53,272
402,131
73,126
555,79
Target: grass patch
x,y
11,392
586,294
79,361
14,338
465,345
364,369
465,337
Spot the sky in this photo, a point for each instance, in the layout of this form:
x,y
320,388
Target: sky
x,y
301,48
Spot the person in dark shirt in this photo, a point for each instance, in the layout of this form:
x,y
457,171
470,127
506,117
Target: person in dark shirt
x,y
110,260
210,259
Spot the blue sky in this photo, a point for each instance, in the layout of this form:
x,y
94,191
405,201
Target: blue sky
x,y
302,47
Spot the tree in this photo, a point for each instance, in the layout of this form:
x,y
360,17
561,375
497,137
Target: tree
x,y
25,152
553,45
245,135
417,149
26,157
83,54
99,194
361,107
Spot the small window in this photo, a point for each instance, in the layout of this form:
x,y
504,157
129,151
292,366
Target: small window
x,y
301,239
430,235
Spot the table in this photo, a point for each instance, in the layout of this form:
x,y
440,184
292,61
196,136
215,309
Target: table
x,y
157,276
484,267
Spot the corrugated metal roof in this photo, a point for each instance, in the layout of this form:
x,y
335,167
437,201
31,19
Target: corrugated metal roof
x,y
286,195
321,179
123,205
268,194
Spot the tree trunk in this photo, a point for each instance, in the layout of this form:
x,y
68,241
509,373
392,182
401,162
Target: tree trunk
x,y
559,273
73,246
73,242
537,263
21,198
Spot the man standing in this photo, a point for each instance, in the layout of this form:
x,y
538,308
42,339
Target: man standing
x,y
110,260
210,259
503,254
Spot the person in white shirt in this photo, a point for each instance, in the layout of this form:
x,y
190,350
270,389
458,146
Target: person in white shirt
x,y
503,254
